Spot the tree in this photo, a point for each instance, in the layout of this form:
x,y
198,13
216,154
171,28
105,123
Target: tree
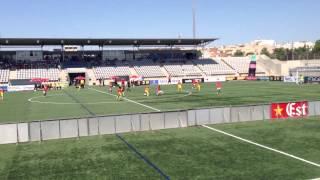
x,y
301,52
316,48
280,53
238,53
265,52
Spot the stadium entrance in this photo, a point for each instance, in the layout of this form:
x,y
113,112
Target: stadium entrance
x,y
74,77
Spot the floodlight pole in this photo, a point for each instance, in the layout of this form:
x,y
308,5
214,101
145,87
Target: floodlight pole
x,y
194,18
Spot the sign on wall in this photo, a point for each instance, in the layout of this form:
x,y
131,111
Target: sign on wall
x,y
21,88
289,79
214,78
289,110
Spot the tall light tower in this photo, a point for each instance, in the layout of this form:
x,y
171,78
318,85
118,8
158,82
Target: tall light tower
x,y
194,18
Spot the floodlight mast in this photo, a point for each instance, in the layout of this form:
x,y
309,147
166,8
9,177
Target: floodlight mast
x,y
194,18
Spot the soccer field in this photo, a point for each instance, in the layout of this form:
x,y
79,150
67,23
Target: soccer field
x,y
186,153
92,101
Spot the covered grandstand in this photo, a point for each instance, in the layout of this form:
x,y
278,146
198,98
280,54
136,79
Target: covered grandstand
x,y
152,59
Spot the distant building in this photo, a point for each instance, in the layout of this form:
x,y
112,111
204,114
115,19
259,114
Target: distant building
x,y
254,47
294,45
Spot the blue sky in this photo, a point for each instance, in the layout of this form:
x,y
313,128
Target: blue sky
x,y
233,21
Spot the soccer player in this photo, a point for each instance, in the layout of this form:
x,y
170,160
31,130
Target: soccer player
x,y
82,83
193,83
198,85
123,82
218,87
1,94
119,97
179,87
159,92
45,90
146,91
129,86
123,87
301,79
110,87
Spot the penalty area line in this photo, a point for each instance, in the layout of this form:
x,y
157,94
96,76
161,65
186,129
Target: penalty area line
x,y
262,146
129,100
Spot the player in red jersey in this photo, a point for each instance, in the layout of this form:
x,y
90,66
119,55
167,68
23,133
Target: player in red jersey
x,y
110,87
123,87
45,90
193,83
159,92
218,87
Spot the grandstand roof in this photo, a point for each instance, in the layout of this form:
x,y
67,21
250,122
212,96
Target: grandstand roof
x,y
100,42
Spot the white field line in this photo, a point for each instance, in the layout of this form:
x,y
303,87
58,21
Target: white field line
x,y
132,101
262,146
315,179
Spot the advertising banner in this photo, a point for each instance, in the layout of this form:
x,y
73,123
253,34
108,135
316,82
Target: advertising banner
x,y
4,87
312,79
252,68
263,78
251,78
20,88
165,81
190,80
154,82
215,79
276,78
289,110
289,79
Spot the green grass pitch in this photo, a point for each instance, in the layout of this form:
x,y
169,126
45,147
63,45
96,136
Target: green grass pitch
x,y
186,153
69,103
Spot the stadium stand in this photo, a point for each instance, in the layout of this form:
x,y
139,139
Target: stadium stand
x,y
4,75
213,67
51,74
240,64
107,72
148,68
305,71
182,70
312,63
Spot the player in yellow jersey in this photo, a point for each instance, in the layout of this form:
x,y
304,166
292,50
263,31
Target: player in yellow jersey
x,y
146,91
198,86
120,93
1,94
82,83
179,87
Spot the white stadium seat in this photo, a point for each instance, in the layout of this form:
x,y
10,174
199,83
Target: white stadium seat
x,y
148,68
4,75
107,72
182,70
213,67
51,74
240,64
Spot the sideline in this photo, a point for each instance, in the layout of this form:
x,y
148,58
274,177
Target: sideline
x,y
262,146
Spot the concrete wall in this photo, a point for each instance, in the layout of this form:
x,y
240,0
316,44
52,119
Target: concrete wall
x,y
75,128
